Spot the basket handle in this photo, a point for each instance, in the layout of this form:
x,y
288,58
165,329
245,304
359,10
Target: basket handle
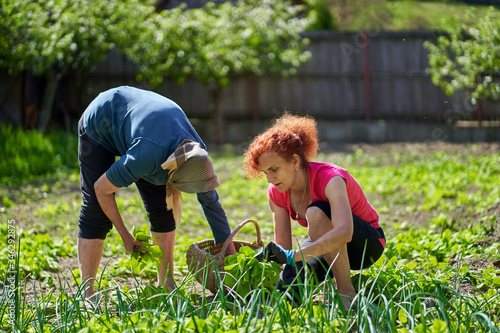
x,y
235,231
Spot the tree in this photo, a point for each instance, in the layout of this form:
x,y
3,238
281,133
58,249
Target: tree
x,y
319,15
57,37
468,58
219,40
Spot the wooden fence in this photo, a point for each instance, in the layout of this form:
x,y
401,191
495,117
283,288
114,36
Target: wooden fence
x,y
380,75
355,76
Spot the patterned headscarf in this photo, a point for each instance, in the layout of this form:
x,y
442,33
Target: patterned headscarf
x,y
191,171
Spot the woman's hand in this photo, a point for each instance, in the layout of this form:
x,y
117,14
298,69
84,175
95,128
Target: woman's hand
x,y
129,242
275,252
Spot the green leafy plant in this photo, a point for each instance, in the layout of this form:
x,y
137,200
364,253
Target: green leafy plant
x,y
467,58
148,253
245,273
320,16
38,253
52,39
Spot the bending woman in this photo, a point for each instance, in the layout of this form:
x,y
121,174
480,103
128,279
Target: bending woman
x,y
322,197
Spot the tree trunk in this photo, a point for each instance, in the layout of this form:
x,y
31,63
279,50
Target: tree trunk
x,y
47,102
217,114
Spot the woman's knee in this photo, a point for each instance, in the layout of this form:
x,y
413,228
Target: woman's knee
x,y
162,221
316,214
318,223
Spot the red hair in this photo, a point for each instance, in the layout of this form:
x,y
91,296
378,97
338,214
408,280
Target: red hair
x,y
288,136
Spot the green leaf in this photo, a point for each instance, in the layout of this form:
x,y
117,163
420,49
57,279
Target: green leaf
x,y
439,326
142,237
155,251
247,272
402,316
231,260
247,251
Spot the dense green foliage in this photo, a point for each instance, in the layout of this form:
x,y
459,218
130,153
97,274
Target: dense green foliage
x,y
28,155
439,207
216,41
61,35
213,43
319,15
468,57
54,38
244,273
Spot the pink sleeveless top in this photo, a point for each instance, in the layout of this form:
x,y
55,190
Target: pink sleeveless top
x,y
319,176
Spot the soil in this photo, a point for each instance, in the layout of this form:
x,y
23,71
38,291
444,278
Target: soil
x,y
477,265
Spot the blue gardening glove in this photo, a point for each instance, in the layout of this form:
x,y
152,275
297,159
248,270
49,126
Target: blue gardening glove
x,y
275,252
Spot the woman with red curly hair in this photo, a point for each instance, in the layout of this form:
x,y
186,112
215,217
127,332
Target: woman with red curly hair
x,y
343,227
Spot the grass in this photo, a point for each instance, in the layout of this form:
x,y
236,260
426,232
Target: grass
x,y
402,15
429,15
439,206
26,156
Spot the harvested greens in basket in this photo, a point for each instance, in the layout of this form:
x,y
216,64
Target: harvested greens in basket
x,y
244,273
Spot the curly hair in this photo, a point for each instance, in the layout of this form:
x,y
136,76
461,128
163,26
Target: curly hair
x,y
289,135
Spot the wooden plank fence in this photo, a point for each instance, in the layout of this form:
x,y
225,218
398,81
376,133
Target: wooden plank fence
x,y
378,75
354,76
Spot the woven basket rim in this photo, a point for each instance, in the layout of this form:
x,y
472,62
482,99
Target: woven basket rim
x,y
199,252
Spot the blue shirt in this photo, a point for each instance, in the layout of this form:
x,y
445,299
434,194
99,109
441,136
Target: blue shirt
x,y
144,128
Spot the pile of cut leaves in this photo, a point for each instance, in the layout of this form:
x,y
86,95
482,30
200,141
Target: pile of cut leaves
x,y
244,273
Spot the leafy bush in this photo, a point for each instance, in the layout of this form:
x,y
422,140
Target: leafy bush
x,y
467,59
29,155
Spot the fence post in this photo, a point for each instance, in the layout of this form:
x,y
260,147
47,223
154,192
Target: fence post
x,y
366,78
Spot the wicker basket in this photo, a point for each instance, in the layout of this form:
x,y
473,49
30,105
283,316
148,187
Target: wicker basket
x,y
207,253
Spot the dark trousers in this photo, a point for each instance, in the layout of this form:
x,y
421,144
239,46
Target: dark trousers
x,y
364,250
94,161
